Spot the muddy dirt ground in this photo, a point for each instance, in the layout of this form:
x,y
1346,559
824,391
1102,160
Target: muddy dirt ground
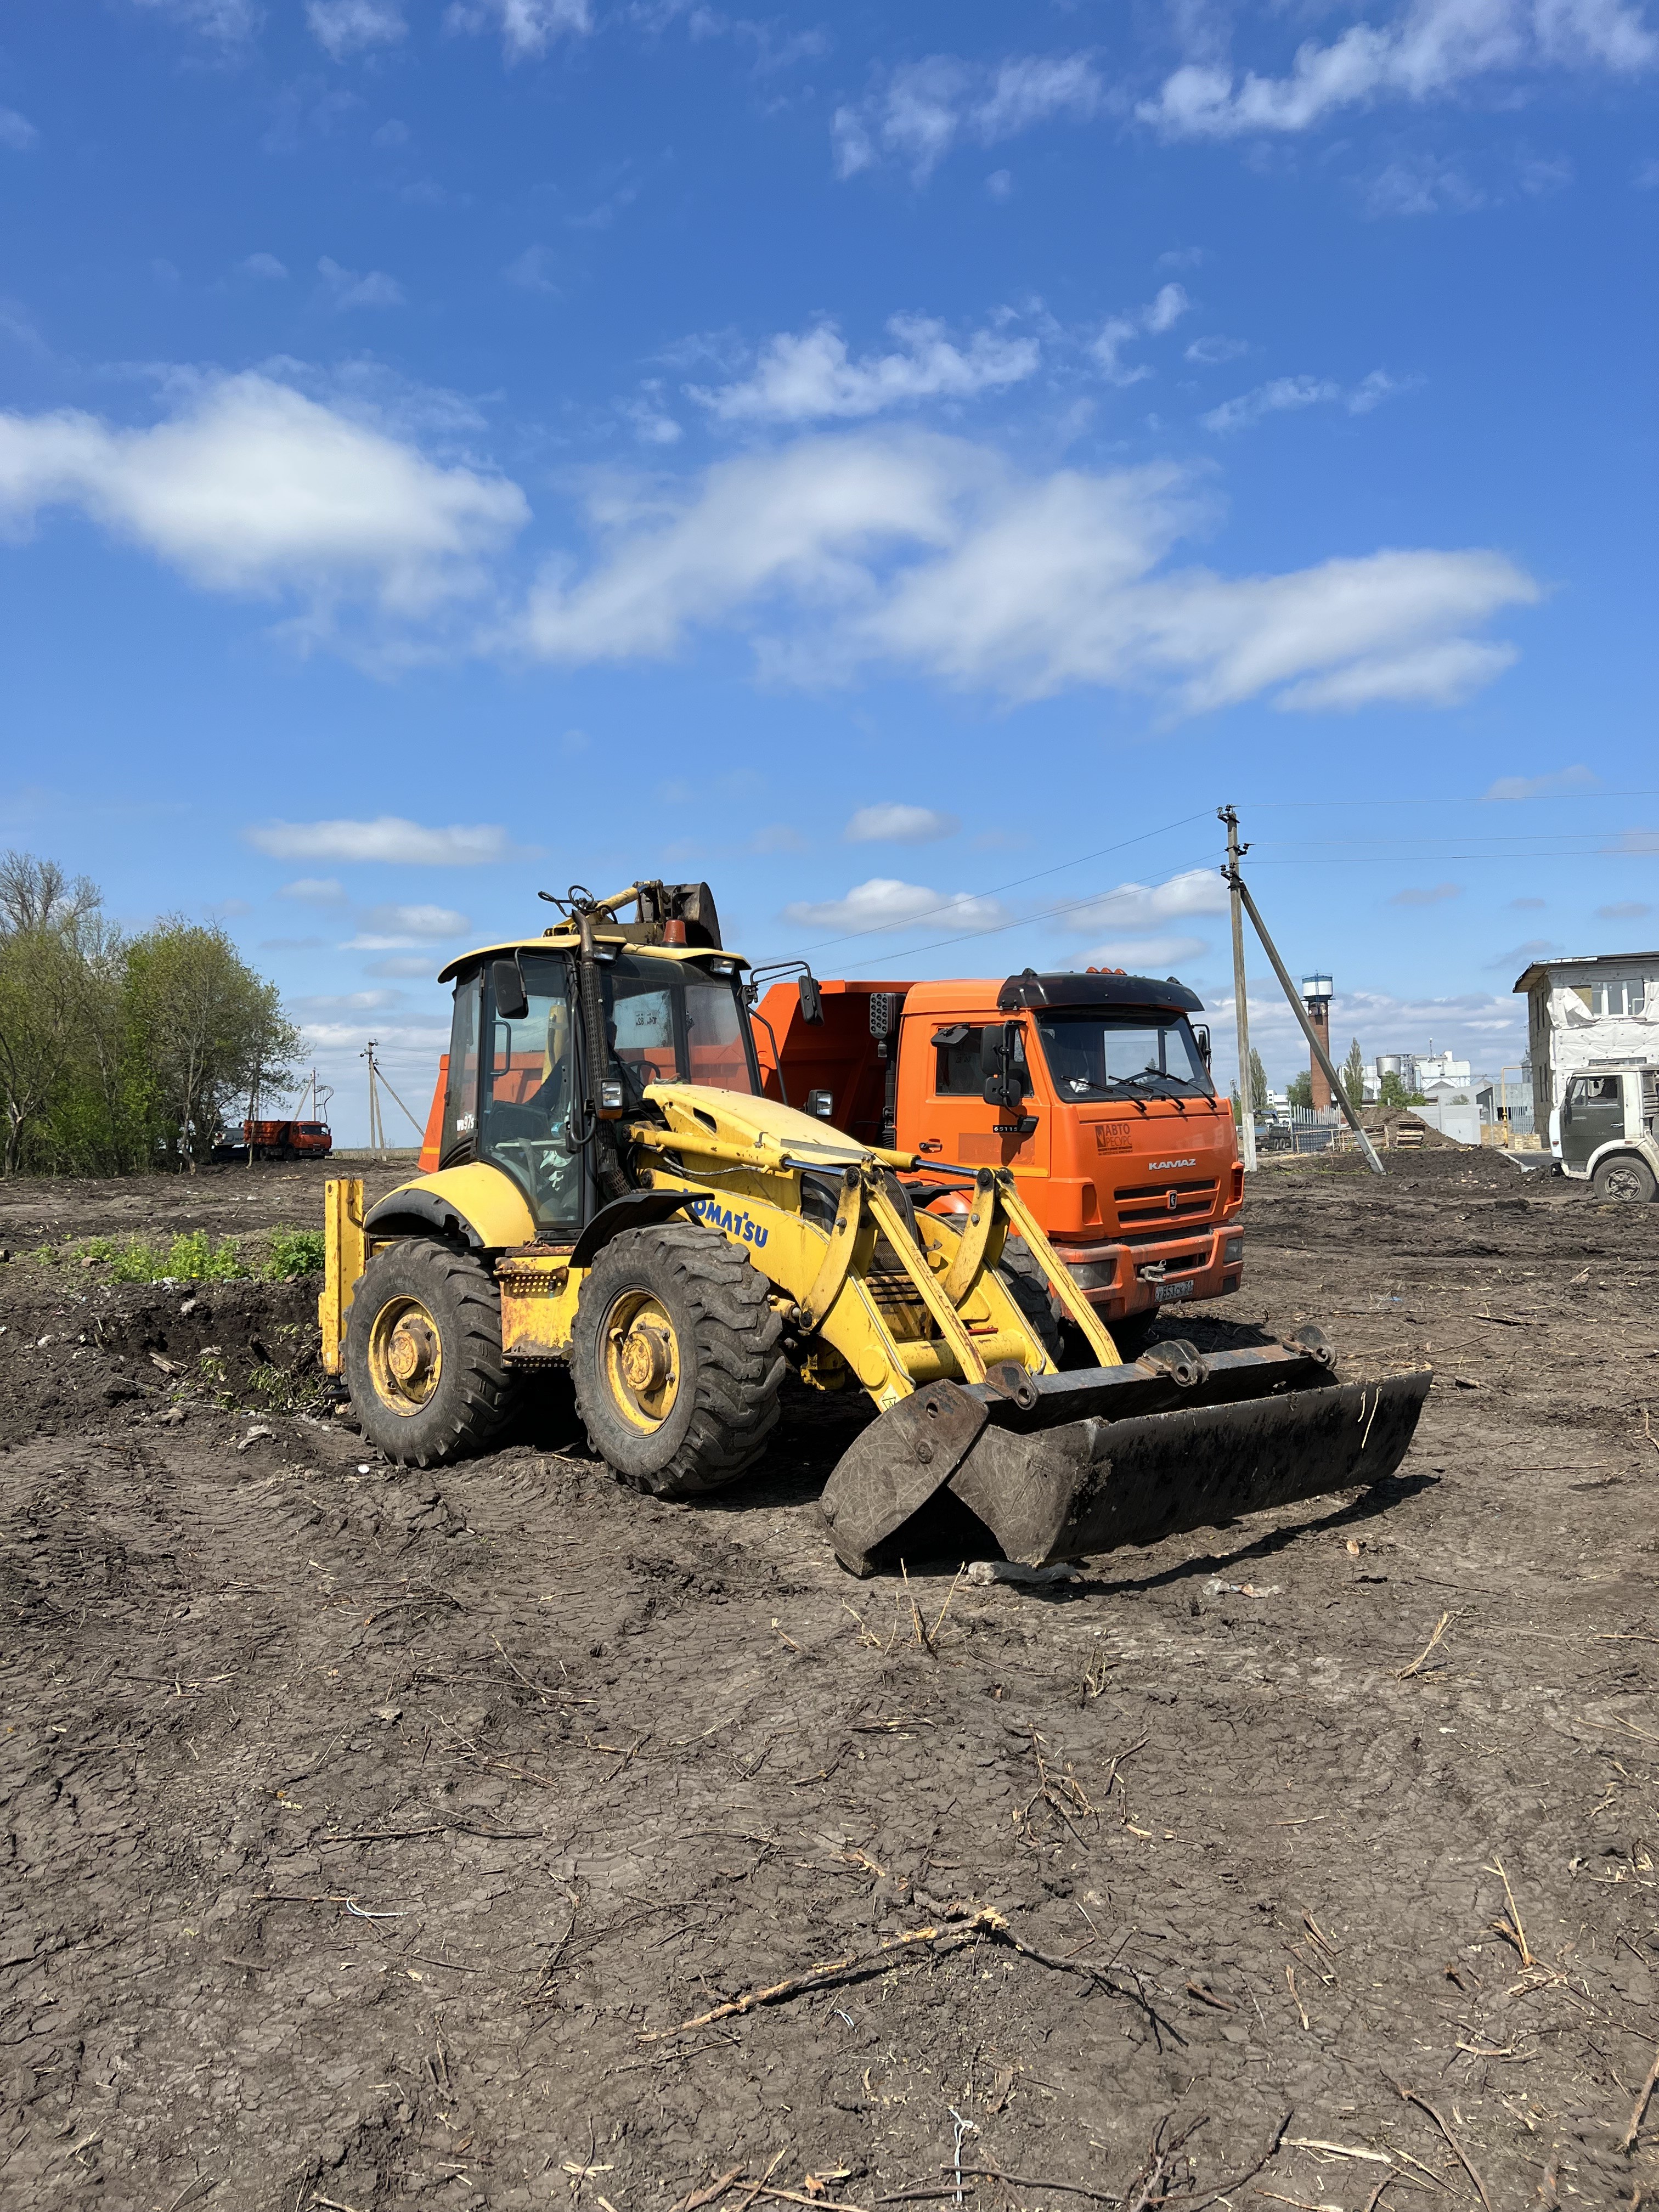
x,y
374,1838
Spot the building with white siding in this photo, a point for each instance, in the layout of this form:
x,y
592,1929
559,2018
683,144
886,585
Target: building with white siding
x,y
1602,1010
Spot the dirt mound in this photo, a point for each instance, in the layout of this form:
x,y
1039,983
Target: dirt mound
x,y
76,1352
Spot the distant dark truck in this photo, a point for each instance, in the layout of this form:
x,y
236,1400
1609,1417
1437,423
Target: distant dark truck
x,y
277,1140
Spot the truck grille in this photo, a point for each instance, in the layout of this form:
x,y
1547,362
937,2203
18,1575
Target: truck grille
x,y
1147,1206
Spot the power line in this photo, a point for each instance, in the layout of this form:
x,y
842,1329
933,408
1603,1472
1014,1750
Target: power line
x,y
882,929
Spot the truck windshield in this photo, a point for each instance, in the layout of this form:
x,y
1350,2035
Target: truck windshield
x,y
1092,1053
672,1022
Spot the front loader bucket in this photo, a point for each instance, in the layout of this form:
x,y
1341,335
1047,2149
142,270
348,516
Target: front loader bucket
x,y
1056,1467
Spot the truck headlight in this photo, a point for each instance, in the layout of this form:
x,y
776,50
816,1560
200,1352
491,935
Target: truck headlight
x,y
1232,1251
822,1104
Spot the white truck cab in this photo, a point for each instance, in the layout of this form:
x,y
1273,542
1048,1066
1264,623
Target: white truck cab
x,y
1606,1130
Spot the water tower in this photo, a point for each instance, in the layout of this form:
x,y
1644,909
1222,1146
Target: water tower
x,y
1316,998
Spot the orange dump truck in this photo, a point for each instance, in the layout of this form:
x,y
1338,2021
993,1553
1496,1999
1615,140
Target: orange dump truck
x,y
1094,1088
278,1141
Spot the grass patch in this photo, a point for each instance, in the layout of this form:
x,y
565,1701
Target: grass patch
x,y
275,1256
292,1252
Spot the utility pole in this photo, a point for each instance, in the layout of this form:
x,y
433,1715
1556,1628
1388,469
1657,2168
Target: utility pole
x,y
377,1083
1236,853
1238,884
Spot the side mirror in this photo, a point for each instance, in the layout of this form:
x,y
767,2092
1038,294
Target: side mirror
x,y
1000,1084
507,985
1202,1038
811,998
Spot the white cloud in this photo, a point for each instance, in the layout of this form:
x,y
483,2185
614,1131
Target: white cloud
x,y
1486,1028
1431,49
1146,955
348,289
1140,906
1548,785
252,486
404,967
227,21
1624,910
527,26
532,270
1285,393
344,27
799,377
388,837
16,132
1441,674
922,107
884,902
893,824
932,554
265,266
1158,316
653,424
347,1002
1421,184
1426,894
315,891
1210,352
417,922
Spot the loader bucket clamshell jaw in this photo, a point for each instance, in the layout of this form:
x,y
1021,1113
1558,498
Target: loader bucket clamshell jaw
x,y
615,1194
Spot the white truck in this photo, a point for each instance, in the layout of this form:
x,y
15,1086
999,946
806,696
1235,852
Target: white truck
x,y
1606,1130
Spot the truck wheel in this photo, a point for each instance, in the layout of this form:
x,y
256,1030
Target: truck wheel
x,y
1625,1177
1133,1334
424,1354
1028,1286
675,1360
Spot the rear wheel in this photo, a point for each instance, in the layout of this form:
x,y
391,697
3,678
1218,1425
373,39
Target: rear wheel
x,y
674,1360
1624,1177
424,1354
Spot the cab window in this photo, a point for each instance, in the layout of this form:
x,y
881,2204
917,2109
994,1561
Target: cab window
x,y
958,1072
672,1023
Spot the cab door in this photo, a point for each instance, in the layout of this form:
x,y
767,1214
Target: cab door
x,y
967,1129
1592,1115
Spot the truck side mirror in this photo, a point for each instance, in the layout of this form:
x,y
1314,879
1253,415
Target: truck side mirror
x,y
1000,1084
810,998
1202,1038
507,985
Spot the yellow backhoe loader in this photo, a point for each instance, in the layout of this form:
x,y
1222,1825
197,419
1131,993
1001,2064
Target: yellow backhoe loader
x,y
615,1195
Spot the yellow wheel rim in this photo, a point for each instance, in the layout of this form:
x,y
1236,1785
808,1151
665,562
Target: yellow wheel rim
x,y
405,1356
642,1360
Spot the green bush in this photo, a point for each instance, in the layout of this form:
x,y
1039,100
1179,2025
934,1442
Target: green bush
x,y
294,1252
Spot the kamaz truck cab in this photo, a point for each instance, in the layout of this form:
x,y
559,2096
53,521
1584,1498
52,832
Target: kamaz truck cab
x,y
1606,1130
1093,1088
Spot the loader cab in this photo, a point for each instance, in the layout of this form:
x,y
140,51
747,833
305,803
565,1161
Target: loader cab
x,y
518,1095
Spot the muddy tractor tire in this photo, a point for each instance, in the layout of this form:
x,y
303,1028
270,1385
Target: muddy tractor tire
x,y
1624,1177
1028,1286
424,1354
675,1360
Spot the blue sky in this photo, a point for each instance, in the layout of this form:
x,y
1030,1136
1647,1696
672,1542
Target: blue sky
x,y
907,466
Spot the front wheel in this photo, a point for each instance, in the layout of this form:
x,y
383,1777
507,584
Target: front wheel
x,y
1624,1177
675,1360
423,1358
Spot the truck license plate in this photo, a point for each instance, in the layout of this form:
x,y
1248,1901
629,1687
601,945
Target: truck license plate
x,y
1166,1294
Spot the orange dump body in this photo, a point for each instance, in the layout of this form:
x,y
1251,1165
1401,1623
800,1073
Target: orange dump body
x,y
1142,1198
434,1121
